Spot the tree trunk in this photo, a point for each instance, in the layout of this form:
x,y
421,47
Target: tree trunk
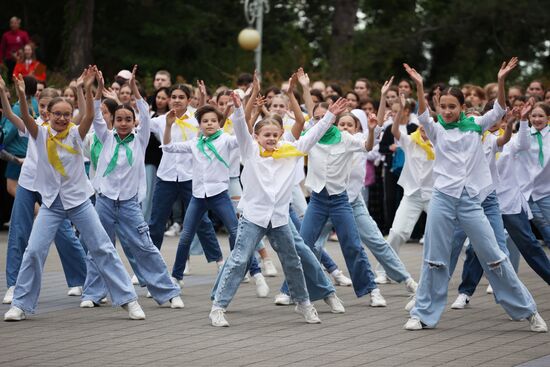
x,y
341,43
79,27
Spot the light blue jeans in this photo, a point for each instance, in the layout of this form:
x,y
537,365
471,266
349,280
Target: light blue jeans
x,y
70,250
234,269
541,217
318,284
151,180
104,254
125,219
444,214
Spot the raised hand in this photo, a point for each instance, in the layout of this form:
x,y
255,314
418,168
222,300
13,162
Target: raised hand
x,y
292,84
202,87
100,84
303,78
256,82
89,76
80,80
507,67
260,101
386,86
415,75
402,100
170,117
339,106
2,84
236,99
524,115
132,80
19,84
372,121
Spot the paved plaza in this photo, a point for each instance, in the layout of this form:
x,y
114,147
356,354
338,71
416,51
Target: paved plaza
x,y
262,334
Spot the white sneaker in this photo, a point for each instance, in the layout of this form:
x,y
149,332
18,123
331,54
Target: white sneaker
x,y
16,314
382,279
411,285
461,302
283,300
421,241
268,268
413,324
309,312
134,310
246,279
217,317
376,299
410,304
103,301
262,289
9,295
177,281
219,264
176,302
335,304
75,291
187,270
148,295
537,323
135,280
87,304
489,289
173,231
340,278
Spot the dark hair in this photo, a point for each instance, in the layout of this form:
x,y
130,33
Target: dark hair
x,y
244,79
30,85
336,88
364,80
226,92
352,92
455,92
111,105
317,93
201,111
57,100
344,114
324,105
154,106
185,89
489,106
537,81
333,98
269,120
544,106
274,89
49,93
406,81
125,106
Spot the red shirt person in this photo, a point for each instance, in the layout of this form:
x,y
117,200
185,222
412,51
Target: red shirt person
x,y
28,65
12,41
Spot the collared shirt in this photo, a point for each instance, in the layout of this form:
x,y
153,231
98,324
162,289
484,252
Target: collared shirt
x,y
491,148
459,159
175,166
73,189
210,176
268,182
417,173
537,185
125,181
28,170
330,165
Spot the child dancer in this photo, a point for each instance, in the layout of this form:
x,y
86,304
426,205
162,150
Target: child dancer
x,y
62,182
120,183
68,246
460,174
269,168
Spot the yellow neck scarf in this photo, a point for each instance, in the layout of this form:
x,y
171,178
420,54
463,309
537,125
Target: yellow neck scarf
x,y
228,127
500,132
283,151
181,122
424,144
51,146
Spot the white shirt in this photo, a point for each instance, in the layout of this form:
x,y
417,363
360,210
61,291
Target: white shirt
x,y
234,156
125,181
511,178
537,185
267,182
417,173
28,170
459,159
75,188
330,165
210,176
175,166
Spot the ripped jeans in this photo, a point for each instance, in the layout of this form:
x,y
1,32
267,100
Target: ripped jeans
x,y
444,214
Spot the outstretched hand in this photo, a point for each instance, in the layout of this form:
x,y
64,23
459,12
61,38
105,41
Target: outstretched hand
x,y
524,115
171,117
386,86
19,84
372,121
303,78
236,99
415,75
132,80
339,106
507,67
2,84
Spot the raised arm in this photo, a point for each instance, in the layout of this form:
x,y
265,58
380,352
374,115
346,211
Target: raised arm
x,y
250,104
202,92
91,74
6,108
303,79
29,122
80,99
170,119
244,137
373,123
504,71
382,106
299,119
510,120
397,121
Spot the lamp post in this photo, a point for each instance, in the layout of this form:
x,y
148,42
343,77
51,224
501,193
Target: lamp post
x,y
251,39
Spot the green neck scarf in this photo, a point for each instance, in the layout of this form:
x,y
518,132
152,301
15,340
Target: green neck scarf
x,y
538,134
95,151
463,124
208,142
129,155
331,137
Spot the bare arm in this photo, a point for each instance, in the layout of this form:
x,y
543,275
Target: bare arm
x,y
397,121
6,108
299,119
510,120
373,122
30,124
250,104
303,78
382,107
170,119
504,71
88,117
417,78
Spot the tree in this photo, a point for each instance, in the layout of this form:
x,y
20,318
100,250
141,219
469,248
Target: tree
x,y
79,25
341,45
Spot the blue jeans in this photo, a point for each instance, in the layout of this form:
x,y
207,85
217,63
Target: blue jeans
x,y
318,284
222,206
150,178
323,206
444,214
70,250
541,217
374,240
472,270
99,245
519,229
234,269
125,219
166,193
